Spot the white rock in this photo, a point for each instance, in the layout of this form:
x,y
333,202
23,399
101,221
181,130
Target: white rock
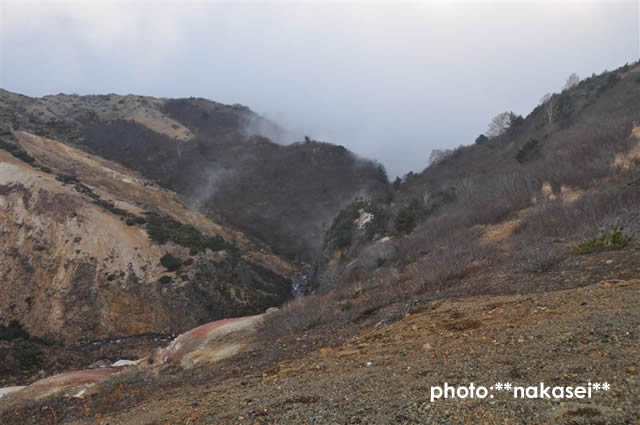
x,y
80,394
8,390
124,362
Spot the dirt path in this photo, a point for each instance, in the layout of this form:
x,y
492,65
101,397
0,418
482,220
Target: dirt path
x,y
385,376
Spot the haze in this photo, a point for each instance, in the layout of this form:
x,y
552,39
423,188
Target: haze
x,y
390,81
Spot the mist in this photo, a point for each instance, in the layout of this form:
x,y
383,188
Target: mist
x,y
389,81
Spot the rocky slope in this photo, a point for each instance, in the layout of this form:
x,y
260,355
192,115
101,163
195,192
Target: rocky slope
x,y
82,243
224,159
511,260
385,374
206,344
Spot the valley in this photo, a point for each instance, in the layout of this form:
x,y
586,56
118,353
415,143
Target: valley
x,y
174,261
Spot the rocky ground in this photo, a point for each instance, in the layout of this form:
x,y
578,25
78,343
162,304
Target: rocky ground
x,y
384,374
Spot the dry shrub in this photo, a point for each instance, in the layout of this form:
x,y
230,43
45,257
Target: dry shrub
x,y
427,236
594,211
455,259
331,277
301,314
375,255
500,197
536,254
348,303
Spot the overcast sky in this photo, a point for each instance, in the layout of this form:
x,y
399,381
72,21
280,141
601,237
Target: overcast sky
x,y
388,80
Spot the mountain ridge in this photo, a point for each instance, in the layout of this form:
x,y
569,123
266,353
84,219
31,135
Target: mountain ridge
x,y
210,153
539,221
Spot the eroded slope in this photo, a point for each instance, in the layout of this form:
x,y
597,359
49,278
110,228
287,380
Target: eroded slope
x,y
78,263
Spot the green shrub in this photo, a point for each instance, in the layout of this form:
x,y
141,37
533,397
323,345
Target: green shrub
x,y
164,279
343,228
27,354
13,330
381,174
139,220
341,231
377,226
406,221
133,220
408,217
170,262
515,122
25,351
608,241
481,139
564,106
24,156
528,151
111,206
17,151
67,179
162,229
611,81
215,243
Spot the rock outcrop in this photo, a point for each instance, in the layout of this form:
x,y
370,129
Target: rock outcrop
x,y
81,255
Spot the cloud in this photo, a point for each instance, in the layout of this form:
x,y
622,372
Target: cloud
x,y
388,80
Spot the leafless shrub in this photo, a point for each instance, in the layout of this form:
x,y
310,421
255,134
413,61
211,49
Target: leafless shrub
x,y
499,124
536,255
376,255
458,256
629,219
428,235
334,309
330,277
499,197
301,314
572,81
439,155
595,210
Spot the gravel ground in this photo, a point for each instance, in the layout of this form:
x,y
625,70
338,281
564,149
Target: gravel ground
x,y
384,375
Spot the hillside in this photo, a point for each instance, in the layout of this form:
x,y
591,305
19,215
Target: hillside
x,y
516,202
224,160
92,251
512,259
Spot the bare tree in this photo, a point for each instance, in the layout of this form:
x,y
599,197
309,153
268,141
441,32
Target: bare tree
x,y
548,102
439,155
499,124
572,81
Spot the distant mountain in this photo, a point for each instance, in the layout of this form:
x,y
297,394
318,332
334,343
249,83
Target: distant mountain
x,y
223,159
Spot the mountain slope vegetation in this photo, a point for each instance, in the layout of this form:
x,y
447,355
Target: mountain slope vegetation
x,y
524,242
223,160
92,251
516,203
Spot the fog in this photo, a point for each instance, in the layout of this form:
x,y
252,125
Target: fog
x,y
388,80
